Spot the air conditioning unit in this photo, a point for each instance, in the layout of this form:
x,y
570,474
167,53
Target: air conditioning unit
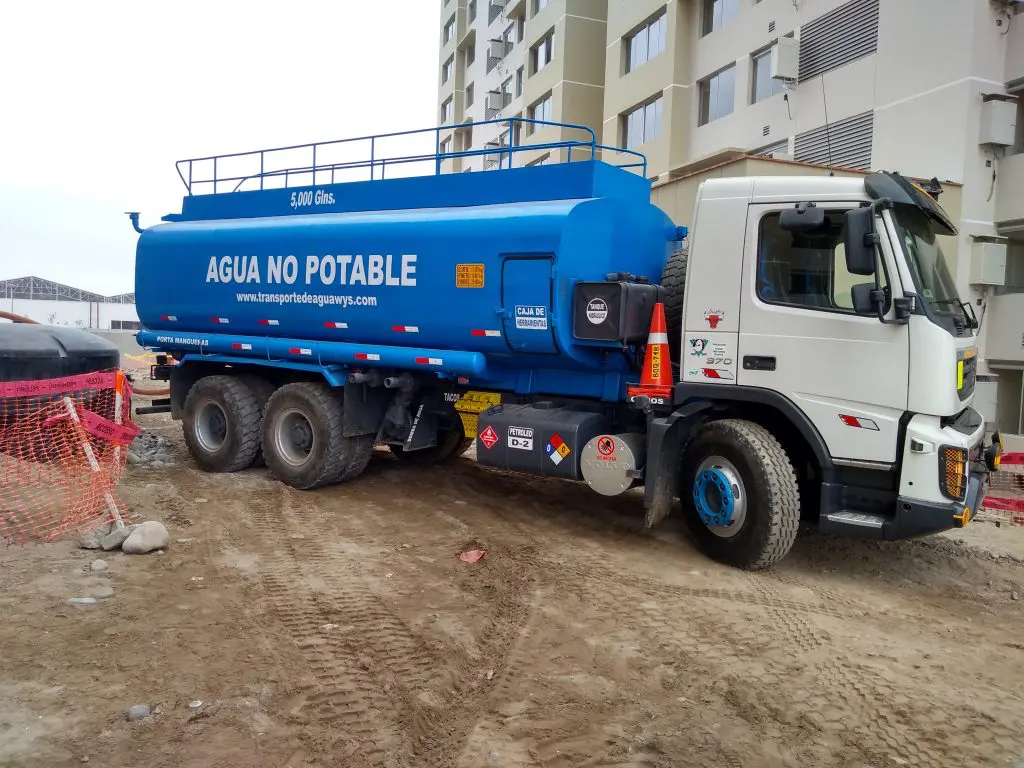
x,y
998,120
497,49
785,60
495,101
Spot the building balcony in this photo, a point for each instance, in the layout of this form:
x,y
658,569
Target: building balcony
x,y
1010,189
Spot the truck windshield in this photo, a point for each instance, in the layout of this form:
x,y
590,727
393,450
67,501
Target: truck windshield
x,y
919,235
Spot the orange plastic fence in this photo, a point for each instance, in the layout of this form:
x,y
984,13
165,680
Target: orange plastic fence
x,y
1005,499
63,449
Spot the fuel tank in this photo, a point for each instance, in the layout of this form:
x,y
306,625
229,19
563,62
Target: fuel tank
x,y
495,280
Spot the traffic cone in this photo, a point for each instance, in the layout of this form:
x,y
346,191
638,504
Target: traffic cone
x,y
656,379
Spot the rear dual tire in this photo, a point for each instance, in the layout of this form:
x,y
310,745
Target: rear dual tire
x,y
303,441
740,494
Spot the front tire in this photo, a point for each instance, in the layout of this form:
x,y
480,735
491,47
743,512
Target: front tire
x,y
303,442
221,424
740,494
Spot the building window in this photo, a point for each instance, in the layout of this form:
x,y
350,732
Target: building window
x,y
789,272
643,124
542,53
447,69
520,30
449,29
472,11
717,94
647,42
469,95
541,110
762,84
447,110
509,38
538,6
446,146
545,160
470,55
506,92
717,13
520,76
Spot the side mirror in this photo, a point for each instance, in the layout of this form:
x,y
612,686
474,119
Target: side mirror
x,y
869,299
805,217
861,240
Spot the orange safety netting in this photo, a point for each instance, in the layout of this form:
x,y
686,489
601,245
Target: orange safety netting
x,y
1005,499
63,448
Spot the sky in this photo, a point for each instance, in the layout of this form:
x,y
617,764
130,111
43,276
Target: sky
x,y
99,99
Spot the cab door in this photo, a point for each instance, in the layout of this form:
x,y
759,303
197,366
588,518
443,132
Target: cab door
x,y
526,296
800,337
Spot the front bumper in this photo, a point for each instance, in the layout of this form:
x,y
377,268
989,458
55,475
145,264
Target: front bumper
x,y
920,518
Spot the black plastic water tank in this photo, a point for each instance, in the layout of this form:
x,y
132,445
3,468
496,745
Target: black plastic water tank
x,y
32,352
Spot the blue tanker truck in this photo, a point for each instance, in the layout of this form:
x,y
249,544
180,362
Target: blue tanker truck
x,y
817,363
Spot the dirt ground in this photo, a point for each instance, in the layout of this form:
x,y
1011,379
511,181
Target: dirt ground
x,y
339,628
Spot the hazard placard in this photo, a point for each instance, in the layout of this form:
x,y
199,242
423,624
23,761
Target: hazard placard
x,y
471,405
469,275
489,437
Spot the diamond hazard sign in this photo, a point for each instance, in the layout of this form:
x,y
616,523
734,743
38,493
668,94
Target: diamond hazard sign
x,y
489,437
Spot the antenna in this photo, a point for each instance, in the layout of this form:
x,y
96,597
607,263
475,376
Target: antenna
x,y
828,128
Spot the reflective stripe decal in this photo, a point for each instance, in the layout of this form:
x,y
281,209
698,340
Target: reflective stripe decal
x,y
330,324
219,320
169,318
491,334
269,322
429,361
405,328
658,338
300,351
366,356
243,347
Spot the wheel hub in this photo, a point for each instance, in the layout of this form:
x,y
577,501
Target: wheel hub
x,y
719,497
211,427
294,437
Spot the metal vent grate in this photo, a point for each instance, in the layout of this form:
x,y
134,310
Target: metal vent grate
x,y
847,142
771,27
766,130
848,33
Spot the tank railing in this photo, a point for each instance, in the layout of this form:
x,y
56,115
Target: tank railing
x,y
582,148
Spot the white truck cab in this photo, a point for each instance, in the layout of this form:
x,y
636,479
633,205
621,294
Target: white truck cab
x,y
846,338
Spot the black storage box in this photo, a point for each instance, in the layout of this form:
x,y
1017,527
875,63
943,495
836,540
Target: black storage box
x,y
537,439
614,311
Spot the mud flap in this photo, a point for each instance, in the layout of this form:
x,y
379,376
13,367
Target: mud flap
x,y
364,409
665,440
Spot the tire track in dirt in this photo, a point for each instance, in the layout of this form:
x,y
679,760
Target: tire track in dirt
x,y
377,669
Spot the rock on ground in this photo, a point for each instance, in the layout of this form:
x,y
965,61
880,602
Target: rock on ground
x,y
98,565
138,712
150,449
147,537
103,592
114,539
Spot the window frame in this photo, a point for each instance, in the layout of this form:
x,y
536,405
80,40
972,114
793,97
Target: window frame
x,y
834,207
707,20
448,69
546,42
641,109
446,36
471,8
660,18
539,5
520,81
470,94
531,111
765,54
700,96
447,109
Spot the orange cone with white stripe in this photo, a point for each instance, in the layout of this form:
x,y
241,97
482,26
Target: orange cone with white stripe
x,y
656,379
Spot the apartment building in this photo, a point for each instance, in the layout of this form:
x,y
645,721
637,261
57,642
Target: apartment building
x,y
931,88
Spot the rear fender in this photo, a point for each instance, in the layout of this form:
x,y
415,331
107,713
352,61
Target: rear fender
x,y
665,440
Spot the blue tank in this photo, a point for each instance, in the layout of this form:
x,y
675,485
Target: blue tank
x,y
468,275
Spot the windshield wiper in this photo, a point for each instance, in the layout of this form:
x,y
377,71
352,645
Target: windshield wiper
x,y
970,318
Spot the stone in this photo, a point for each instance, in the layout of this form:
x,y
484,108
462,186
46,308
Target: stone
x,y
93,539
103,592
147,537
133,458
1015,596
98,565
114,539
138,712
82,600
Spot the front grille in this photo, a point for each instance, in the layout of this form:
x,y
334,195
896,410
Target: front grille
x,y
965,384
953,472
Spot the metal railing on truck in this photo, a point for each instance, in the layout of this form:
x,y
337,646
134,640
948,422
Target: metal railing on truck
x,y
316,165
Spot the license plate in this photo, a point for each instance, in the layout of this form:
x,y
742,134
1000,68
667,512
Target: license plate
x,y
471,405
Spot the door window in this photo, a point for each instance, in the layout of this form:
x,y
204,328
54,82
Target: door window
x,y
806,269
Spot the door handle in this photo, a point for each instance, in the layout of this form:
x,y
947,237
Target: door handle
x,y
756,363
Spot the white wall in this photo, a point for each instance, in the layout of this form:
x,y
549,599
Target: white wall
x,y
80,314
